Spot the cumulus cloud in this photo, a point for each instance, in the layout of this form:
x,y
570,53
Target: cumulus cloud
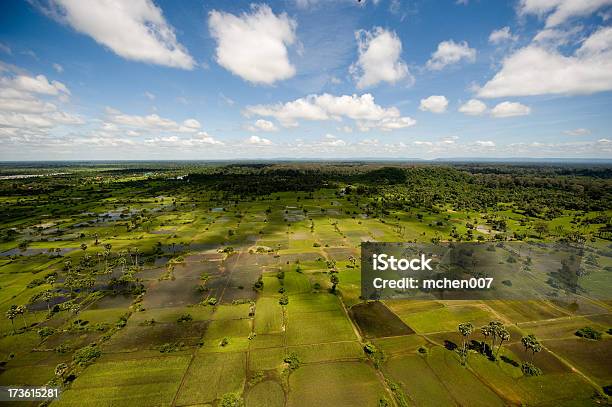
x,y
501,35
379,58
254,45
510,109
559,11
259,141
363,109
23,110
450,52
152,122
434,104
135,29
578,132
35,84
473,107
262,125
535,70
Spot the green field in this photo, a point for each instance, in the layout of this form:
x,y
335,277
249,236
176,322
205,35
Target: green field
x,y
178,293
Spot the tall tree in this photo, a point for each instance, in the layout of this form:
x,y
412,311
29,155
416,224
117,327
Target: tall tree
x,y
465,330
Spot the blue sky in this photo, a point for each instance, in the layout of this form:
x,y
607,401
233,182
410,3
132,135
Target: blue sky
x,y
305,79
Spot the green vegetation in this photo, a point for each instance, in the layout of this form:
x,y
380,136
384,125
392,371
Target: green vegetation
x,y
147,280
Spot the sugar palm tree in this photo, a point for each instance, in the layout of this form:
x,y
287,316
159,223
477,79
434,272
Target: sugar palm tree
x,y
503,336
21,310
465,330
11,314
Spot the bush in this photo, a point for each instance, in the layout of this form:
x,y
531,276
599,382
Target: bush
x,y
292,361
284,300
86,355
224,342
185,318
45,332
589,333
529,369
231,400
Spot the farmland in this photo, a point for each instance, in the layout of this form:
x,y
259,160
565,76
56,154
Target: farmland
x,y
202,284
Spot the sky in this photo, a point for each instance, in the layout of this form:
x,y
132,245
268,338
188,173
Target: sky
x,y
305,79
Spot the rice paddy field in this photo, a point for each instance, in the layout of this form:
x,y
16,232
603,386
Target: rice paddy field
x,y
131,286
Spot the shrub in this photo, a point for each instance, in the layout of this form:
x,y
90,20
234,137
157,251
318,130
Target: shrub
x,y
45,332
231,400
292,361
529,369
185,318
589,333
86,355
284,300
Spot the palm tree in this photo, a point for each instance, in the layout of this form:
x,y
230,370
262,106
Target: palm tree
x,y
47,296
21,310
465,330
531,343
503,335
486,332
11,314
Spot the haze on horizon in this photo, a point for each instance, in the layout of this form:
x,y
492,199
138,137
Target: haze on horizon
x,y
305,79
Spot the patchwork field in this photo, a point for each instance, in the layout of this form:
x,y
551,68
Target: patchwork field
x,y
170,293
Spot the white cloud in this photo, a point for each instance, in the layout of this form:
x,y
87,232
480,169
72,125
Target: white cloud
x,y
362,109
473,107
259,141
578,132
200,139
254,45
534,70
332,141
226,100
38,84
423,143
58,68
501,35
559,11
262,125
434,104
379,58
150,95
510,109
450,52
151,122
22,110
486,143
135,30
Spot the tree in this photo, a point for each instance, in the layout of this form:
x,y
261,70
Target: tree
x,y
21,310
11,314
334,280
61,369
83,246
465,330
531,343
541,228
47,296
503,336
486,332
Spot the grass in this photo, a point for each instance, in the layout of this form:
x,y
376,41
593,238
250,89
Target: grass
x,y
266,394
335,384
212,375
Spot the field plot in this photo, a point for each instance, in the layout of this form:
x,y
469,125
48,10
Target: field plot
x,y
151,381
337,384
